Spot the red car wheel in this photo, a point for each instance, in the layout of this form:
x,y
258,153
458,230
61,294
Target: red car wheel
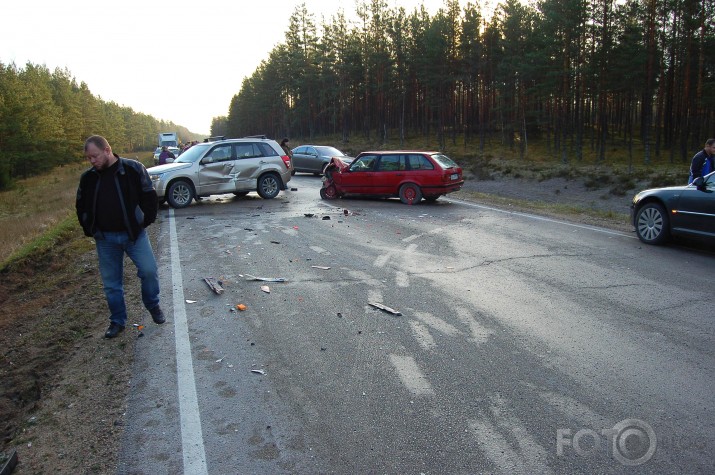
x,y
329,192
410,194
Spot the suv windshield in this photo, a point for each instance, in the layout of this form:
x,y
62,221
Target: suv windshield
x,y
192,154
444,161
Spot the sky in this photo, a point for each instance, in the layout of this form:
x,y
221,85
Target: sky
x,y
180,61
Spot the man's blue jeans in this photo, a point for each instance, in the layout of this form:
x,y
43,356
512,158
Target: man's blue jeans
x,y
110,249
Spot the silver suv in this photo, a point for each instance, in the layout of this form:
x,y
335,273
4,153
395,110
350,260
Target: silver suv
x,y
236,166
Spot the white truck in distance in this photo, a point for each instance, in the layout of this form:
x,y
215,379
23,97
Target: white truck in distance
x,y
168,139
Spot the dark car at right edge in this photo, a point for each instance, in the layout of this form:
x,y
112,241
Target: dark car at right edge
x,y
689,210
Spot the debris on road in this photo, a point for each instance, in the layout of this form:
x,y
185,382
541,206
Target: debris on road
x,y
266,289
264,279
385,308
294,189
275,242
326,218
321,267
139,334
258,371
309,215
214,285
241,307
191,301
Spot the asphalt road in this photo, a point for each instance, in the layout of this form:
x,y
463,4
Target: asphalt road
x,y
525,345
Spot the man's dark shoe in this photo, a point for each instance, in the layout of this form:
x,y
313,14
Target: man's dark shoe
x,y
113,330
157,315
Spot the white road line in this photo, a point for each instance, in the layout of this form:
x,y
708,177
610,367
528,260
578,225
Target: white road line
x,y
480,334
412,238
422,335
411,375
374,295
541,218
192,440
437,323
382,260
402,279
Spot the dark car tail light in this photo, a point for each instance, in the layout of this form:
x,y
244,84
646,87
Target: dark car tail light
x,y
286,160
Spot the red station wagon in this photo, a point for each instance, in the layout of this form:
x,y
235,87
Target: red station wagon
x,y
410,175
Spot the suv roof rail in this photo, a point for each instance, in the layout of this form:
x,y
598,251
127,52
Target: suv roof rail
x,y
262,136
215,138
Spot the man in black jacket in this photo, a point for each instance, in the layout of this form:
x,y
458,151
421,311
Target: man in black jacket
x,y
115,202
702,162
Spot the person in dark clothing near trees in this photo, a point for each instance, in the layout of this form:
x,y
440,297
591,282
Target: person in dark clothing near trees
x,y
703,161
115,202
164,155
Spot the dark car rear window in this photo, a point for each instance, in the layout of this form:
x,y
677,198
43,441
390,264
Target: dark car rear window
x,y
419,162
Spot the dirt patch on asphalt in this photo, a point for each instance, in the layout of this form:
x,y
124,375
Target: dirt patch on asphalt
x,y
563,198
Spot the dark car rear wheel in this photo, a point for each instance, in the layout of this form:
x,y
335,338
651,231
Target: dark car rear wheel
x,y
652,224
268,186
180,194
410,194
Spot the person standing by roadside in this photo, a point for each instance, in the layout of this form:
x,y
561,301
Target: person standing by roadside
x,y
164,155
286,148
289,152
115,202
703,162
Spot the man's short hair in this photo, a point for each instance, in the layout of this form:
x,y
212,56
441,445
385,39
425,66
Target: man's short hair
x,y
710,142
101,143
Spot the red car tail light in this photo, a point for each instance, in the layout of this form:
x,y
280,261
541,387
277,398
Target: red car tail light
x,y
286,160
449,175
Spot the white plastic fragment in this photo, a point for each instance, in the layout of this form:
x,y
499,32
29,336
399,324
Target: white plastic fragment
x,y
385,308
265,279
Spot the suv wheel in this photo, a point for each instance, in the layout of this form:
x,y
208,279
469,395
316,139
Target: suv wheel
x,y
180,194
652,224
268,186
